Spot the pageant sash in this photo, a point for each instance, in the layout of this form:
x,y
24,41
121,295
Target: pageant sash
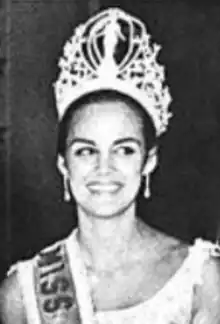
x,y
54,287
61,285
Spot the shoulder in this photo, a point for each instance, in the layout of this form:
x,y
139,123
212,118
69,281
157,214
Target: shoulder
x,y
11,305
156,235
165,244
168,253
207,294
20,281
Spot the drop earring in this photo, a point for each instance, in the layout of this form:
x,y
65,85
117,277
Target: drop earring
x,y
147,192
148,169
66,196
62,168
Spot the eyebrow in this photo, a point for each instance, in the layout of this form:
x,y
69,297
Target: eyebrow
x,y
81,140
127,139
116,142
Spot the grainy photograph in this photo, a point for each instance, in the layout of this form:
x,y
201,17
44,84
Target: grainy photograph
x,y
110,162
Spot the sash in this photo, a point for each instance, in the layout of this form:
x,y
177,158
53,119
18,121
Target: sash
x,y
54,287
61,286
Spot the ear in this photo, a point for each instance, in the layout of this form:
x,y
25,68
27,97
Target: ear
x,y
61,165
151,162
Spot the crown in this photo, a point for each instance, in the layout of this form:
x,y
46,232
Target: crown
x,y
112,51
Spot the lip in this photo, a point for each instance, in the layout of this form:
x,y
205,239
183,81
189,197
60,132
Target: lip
x,y
108,187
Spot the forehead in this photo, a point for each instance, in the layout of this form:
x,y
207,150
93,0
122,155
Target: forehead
x,y
105,119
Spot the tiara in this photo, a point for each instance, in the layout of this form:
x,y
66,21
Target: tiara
x,y
112,51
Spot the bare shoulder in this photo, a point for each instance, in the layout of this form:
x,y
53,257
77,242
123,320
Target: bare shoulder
x,y
11,306
165,244
164,252
207,295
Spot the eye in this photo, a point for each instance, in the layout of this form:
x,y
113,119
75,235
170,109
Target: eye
x,y
125,150
85,151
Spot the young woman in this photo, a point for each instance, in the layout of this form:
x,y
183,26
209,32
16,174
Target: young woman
x,y
113,268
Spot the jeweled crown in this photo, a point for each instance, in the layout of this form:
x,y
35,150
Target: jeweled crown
x,y
112,51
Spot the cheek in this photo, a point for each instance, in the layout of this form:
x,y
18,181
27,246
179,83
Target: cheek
x,y
78,170
130,170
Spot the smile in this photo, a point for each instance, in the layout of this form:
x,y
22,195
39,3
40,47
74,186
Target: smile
x,y
104,187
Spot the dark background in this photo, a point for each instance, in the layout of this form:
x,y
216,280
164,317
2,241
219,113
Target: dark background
x,y
186,186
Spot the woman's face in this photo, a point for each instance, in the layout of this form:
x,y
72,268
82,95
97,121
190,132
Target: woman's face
x,y
104,156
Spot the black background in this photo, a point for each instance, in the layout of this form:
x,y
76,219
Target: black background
x,y
185,200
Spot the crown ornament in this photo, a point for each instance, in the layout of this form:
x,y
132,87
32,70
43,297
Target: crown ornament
x,y
112,51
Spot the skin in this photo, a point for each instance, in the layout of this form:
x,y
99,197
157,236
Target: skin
x,y
105,144
127,261
100,152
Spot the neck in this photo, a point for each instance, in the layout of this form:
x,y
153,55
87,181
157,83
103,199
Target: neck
x,y
106,242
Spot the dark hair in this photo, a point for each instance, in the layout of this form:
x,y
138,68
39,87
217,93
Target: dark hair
x,y
101,96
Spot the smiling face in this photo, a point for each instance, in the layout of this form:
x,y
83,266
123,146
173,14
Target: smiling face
x,y
105,151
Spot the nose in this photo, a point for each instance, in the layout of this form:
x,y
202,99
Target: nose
x,y
105,164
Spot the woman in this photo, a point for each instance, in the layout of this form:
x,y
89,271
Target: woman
x,y
112,107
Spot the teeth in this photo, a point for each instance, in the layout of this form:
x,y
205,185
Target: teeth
x,y
104,187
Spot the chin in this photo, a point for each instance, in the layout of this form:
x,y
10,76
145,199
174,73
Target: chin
x,y
106,206
107,211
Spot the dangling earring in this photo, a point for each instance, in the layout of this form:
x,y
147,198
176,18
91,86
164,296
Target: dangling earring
x,y
66,195
147,192
61,167
148,169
